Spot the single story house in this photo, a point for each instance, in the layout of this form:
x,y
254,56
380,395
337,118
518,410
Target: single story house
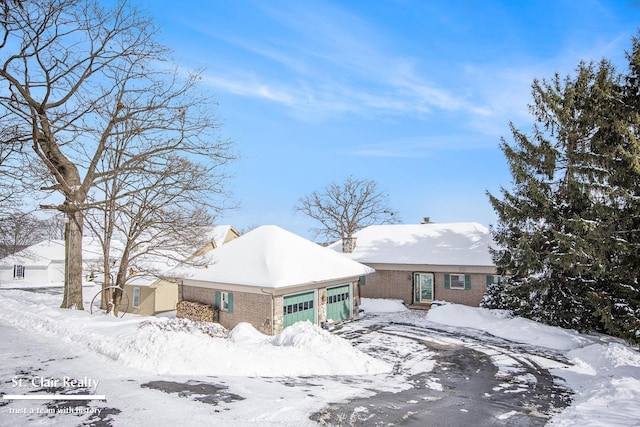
x,y
43,264
150,295
270,278
421,263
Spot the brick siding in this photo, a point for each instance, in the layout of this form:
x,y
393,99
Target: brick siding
x,y
395,284
247,307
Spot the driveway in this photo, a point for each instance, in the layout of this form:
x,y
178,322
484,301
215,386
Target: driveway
x,y
471,379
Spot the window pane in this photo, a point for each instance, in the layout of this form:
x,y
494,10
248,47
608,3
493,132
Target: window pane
x,y
136,297
457,281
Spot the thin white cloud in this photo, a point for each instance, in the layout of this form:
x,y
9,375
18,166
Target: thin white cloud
x,y
243,87
421,147
334,62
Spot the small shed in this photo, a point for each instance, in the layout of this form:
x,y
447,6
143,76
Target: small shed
x,y
420,263
271,278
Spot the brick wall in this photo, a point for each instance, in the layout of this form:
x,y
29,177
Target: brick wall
x,y
250,308
390,284
247,307
395,284
257,309
197,294
471,297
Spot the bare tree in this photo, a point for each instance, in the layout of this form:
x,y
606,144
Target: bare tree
x,y
75,77
159,213
53,227
343,209
19,230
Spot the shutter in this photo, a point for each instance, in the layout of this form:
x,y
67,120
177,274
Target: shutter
x,y
217,300
14,271
489,280
447,281
362,280
230,309
467,282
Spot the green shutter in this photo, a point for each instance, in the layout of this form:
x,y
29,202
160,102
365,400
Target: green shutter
x,y
447,281
467,281
489,280
217,300
230,310
362,280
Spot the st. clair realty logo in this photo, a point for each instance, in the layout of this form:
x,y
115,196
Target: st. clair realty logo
x,y
44,382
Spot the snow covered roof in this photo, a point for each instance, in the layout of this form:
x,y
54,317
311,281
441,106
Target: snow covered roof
x,y
47,251
219,234
153,265
272,257
464,243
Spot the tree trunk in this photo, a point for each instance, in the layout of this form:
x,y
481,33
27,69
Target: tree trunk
x,y
117,301
73,260
105,296
120,281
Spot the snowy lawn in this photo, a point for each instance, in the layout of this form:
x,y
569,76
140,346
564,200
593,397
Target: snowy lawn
x,y
279,380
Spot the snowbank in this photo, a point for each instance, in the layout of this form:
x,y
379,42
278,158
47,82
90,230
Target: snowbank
x,y
376,305
501,324
603,371
176,346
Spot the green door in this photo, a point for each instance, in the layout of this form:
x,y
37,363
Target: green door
x,y
339,303
299,307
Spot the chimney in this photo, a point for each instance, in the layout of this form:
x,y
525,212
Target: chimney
x,y
348,243
426,220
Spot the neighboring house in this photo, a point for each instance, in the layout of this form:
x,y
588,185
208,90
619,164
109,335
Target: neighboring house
x,y
44,263
149,295
270,278
421,263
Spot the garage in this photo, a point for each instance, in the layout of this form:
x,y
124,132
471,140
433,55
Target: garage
x,y
299,307
339,302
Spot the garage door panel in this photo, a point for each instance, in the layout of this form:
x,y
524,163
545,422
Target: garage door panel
x,y
299,307
339,303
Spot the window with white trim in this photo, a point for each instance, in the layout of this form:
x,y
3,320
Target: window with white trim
x,y
457,281
18,271
136,297
224,301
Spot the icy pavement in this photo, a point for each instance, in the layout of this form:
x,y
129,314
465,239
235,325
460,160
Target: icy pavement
x,y
455,378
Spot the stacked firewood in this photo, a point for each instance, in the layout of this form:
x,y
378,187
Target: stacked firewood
x,y
196,311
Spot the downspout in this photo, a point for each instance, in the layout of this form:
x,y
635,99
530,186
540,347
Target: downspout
x,y
273,309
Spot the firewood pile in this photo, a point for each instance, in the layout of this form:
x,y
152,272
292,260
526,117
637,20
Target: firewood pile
x,y
196,311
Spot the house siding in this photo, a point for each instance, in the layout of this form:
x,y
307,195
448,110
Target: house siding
x,y
398,284
166,298
471,297
263,311
147,300
391,284
247,307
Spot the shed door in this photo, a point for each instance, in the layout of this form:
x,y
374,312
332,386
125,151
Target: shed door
x,y
339,302
299,307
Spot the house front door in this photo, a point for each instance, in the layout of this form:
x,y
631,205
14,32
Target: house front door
x,y
422,288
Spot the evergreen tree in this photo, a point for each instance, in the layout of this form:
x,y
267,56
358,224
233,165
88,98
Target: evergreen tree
x,y
569,230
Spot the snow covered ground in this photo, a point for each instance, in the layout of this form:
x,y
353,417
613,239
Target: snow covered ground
x,y
163,371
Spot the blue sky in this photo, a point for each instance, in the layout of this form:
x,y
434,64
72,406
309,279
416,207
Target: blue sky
x,y
412,94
